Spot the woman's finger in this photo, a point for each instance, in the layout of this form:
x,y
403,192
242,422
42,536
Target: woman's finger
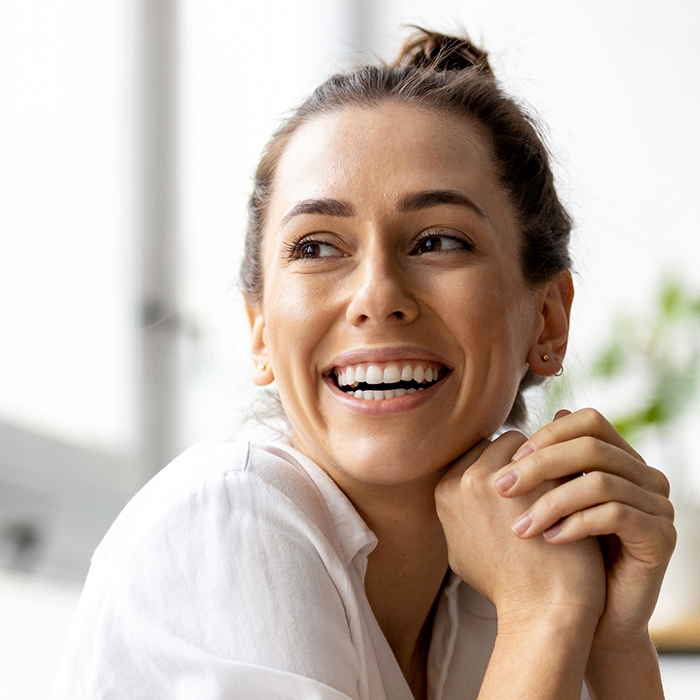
x,y
578,455
460,465
648,538
585,492
484,456
568,426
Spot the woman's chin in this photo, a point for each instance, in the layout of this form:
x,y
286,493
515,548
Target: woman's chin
x,y
388,460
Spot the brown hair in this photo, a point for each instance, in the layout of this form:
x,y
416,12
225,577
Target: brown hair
x,y
449,74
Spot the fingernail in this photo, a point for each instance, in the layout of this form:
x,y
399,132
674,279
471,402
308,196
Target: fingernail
x,y
506,481
522,524
524,451
551,532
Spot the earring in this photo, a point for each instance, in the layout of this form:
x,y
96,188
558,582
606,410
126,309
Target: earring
x,y
263,368
545,358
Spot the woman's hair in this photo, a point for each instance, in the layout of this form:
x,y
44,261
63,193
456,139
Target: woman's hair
x,y
448,74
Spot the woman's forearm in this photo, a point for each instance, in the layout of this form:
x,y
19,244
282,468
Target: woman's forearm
x,y
544,660
627,674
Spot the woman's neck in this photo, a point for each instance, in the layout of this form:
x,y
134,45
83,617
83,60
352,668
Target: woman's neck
x,y
406,570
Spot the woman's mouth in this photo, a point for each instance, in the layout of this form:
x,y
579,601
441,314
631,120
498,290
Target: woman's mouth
x,y
387,380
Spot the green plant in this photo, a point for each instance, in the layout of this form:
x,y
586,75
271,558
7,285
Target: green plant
x,y
660,351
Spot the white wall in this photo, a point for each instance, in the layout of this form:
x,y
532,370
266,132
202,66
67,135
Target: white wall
x,y
36,615
65,261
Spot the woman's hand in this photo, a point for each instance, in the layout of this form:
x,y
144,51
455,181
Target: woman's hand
x,y
607,491
521,576
548,599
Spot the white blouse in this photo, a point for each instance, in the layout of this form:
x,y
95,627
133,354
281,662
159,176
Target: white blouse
x,y
238,572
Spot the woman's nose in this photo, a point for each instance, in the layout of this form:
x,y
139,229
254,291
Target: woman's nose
x,y
381,294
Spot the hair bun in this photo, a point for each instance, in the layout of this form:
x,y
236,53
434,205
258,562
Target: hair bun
x,y
440,52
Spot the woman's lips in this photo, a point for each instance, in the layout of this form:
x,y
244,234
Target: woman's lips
x,y
384,406
397,376
385,398
383,355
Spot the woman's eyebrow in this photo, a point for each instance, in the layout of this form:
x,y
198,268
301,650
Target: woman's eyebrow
x,y
324,206
413,201
432,198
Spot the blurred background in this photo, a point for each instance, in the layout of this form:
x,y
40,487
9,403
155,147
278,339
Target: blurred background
x,y
129,130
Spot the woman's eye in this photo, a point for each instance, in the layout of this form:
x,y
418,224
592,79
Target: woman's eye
x,y
312,250
437,244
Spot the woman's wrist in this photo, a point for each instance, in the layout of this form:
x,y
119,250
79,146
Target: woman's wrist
x,y
624,668
561,610
540,658
566,626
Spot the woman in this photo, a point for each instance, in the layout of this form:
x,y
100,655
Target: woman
x,y
406,276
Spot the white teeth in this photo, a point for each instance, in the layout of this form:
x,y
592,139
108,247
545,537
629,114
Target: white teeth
x,y
392,374
374,375
411,390
374,395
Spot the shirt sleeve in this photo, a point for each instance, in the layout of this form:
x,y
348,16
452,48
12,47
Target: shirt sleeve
x,y
232,592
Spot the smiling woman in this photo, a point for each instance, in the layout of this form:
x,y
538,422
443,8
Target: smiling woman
x,y
369,261
406,277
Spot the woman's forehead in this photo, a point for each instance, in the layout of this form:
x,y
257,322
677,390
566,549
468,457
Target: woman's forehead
x,y
373,155
390,126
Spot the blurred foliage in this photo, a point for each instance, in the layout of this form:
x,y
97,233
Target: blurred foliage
x,y
661,352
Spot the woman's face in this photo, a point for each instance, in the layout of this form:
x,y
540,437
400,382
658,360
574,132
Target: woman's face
x,y
390,260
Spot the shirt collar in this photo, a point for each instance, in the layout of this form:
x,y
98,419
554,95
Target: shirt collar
x,y
353,534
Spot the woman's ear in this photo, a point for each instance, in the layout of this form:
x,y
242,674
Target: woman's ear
x,y
259,353
546,356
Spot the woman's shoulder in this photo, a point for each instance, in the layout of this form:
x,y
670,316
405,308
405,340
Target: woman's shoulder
x,y
218,487
226,568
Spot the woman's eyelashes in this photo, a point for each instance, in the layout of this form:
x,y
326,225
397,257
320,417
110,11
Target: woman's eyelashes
x,y
312,249
432,241
439,242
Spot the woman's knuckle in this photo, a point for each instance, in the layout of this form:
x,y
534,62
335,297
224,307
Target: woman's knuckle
x,y
548,432
602,483
661,483
592,418
668,510
617,511
666,536
445,491
547,503
536,462
671,537
592,448
469,482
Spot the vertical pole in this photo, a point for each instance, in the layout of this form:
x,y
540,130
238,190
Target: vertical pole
x,y
156,206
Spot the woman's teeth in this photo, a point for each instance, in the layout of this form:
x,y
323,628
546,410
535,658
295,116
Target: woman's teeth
x,y
420,376
376,395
